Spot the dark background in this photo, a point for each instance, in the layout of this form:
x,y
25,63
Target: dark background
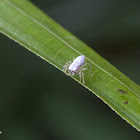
x,y
38,102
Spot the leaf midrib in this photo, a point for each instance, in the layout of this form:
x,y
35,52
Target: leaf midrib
x,y
34,20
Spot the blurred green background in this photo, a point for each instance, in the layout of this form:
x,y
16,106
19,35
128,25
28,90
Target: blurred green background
x,y
39,102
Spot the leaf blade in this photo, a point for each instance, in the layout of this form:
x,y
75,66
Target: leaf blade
x,y
41,35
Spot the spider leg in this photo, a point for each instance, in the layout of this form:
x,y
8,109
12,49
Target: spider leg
x,y
83,77
83,69
65,67
69,62
80,75
83,65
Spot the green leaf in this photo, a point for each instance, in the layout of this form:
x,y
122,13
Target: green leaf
x,y
30,27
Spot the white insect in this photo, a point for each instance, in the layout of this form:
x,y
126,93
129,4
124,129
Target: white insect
x,y
76,67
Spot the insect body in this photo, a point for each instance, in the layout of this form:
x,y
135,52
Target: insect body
x,y
77,66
